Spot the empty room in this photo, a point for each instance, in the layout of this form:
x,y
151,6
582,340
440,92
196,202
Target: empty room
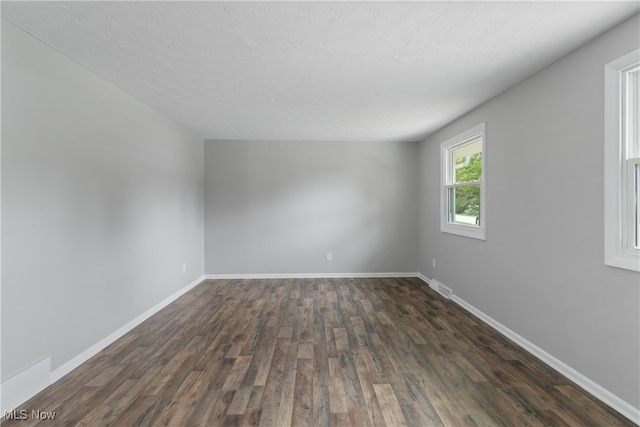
x,y
320,213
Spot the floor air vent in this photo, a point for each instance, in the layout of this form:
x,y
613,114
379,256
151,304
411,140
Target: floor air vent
x,y
441,289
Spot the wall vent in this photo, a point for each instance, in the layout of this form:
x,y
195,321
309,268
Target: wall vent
x,y
441,289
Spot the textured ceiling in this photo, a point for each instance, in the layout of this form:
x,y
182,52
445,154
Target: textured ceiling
x,y
315,70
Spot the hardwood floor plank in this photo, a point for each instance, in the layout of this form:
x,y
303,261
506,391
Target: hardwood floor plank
x,y
256,398
265,367
359,330
303,393
176,412
341,339
238,372
285,412
321,414
389,404
510,413
140,412
240,401
306,328
305,351
216,412
272,394
251,418
367,377
316,352
210,387
578,403
337,395
416,406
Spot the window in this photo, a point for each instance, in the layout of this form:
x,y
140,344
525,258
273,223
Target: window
x,y
622,162
463,201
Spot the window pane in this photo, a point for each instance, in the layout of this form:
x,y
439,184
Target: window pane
x,y
633,112
464,205
467,162
637,206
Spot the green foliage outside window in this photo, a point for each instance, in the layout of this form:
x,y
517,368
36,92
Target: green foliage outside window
x,y
468,198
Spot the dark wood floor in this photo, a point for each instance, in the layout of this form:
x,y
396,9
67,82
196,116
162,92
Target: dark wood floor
x,y
316,352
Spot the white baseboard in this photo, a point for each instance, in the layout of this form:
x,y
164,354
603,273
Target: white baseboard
x,y
604,395
23,386
306,275
424,279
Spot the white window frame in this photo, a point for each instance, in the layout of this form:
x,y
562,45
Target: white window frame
x,y
446,149
620,126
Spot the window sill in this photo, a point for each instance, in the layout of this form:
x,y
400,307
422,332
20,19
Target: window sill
x,y
466,231
627,262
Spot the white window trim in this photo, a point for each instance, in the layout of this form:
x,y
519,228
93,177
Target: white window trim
x,y
445,150
618,202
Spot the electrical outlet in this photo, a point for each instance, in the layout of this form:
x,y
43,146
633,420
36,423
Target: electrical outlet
x,y
434,263
329,256
184,268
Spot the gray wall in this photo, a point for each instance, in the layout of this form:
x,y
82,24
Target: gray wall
x,y
279,207
102,203
541,270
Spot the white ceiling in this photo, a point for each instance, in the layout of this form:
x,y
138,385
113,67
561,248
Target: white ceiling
x,y
315,70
